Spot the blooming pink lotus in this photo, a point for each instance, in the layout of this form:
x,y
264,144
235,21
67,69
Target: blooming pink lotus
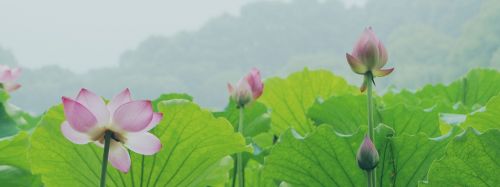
x,y
369,56
88,118
249,88
8,76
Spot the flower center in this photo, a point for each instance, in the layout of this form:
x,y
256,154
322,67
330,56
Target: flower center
x,y
118,137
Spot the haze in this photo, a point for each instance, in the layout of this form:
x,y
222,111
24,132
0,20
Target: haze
x,y
81,35
197,46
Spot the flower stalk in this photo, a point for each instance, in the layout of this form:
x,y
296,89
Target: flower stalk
x,y
239,157
368,58
369,179
107,141
369,95
372,174
246,91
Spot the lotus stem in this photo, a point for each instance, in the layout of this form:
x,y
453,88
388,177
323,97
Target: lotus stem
x,y
107,141
372,181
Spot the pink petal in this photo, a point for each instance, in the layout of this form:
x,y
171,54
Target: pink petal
x,y
73,135
356,65
243,93
255,82
79,117
143,143
6,76
11,87
366,49
157,117
230,88
382,72
119,157
118,100
133,116
382,56
15,73
359,48
95,104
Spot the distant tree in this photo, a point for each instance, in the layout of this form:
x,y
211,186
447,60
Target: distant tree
x,y
7,58
419,52
480,37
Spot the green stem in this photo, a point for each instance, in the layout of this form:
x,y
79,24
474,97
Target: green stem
x,y
107,140
371,129
369,87
142,169
369,178
239,158
234,172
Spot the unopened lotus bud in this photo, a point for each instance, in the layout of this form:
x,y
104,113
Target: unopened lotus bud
x,y
369,56
367,156
248,89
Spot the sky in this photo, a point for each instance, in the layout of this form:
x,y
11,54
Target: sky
x,y
82,35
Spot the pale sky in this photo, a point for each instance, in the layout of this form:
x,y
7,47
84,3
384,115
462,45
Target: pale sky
x,y
93,33
81,35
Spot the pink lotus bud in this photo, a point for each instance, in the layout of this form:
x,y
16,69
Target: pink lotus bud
x,y
248,88
88,117
8,77
369,56
367,156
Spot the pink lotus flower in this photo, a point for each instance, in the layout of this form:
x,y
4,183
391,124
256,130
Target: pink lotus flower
x,y
8,76
249,88
369,56
88,118
367,156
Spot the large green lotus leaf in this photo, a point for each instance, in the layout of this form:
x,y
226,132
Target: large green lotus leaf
x,y
23,120
219,174
406,97
405,160
170,96
16,177
7,124
487,119
14,167
471,159
194,143
347,113
326,158
463,95
289,99
323,158
411,120
256,119
14,151
254,175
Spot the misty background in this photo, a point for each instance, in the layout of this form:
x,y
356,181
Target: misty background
x,y
197,46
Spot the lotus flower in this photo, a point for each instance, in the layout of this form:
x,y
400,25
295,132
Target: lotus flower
x,y
367,156
248,89
8,76
88,118
368,57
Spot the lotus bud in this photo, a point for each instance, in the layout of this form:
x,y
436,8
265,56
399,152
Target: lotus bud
x,y
367,156
8,77
369,56
248,89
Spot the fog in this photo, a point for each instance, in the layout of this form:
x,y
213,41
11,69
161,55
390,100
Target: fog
x,y
82,35
196,46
